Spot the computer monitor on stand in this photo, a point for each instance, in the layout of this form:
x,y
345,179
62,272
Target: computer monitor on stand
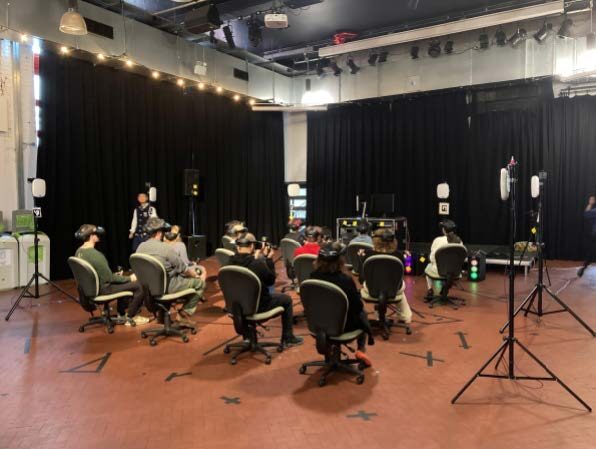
x,y
382,205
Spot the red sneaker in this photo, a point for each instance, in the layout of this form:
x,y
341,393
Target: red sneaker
x,y
363,358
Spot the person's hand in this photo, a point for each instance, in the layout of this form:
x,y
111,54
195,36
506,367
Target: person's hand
x,y
203,273
133,278
270,253
257,254
131,235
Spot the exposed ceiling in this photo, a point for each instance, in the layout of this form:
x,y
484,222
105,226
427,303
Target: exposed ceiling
x,y
311,26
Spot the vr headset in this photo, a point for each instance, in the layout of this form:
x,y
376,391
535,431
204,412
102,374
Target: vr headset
x,y
154,225
448,225
171,236
363,227
87,230
311,232
331,252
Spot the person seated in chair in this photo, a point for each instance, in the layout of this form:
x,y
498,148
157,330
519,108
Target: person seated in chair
x,y
180,276
311,246
326,235
294,231
329,267
110,283
174,239
363,234
384,242
260,262
448,228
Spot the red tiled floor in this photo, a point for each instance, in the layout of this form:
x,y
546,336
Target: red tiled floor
x,y
130,405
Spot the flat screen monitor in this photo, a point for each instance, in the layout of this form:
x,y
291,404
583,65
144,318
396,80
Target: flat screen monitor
x,y
22,221
382,205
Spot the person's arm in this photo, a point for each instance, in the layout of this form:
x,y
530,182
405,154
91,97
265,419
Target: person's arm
x,y
112,278
178,265
133,224
433,250
183,253
265,271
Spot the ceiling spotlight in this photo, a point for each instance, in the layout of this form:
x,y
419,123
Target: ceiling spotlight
x,y
72,22
383,57
201,86
336,69
448,49
129,63
483,41
354,69
236,97
180,82
229,37
64,50
372,59
251,101
591,41
155,74
219,89
501,37
100,56
565,30
24,38
434,49
518,37
414,52
542,33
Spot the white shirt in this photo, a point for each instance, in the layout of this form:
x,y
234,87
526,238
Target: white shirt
x,y
133,224
439,242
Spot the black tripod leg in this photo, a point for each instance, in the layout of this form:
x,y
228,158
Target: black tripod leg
x,y
475,376
53,284
16,303
554,376
531,297
568,309
535,291
503,349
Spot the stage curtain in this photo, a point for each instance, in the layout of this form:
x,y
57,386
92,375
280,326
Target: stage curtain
x,y
105,132
409,145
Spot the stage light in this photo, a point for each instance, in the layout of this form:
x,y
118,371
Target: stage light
x,y
24,38
483,41
542,33
414,52
336,70
518,37
408,262
201,86
155,74
448,49
383,57
477,266
219,89
501,37
101,57
354,69
372,59
72,22
565,29
180,82
229,37
64,50
129,63
434,49
236,97
422,259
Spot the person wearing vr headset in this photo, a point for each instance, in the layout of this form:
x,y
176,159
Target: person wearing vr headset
x,y
180,276
363,233
111,282
329,267
448,228
384,242
260,262
140,215
174,238
590,234
311,246
294,231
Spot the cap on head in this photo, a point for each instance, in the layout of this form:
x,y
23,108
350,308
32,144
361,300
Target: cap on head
x,y
331,251
155,224
87,230
363,227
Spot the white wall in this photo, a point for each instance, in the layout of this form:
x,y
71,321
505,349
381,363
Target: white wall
x,y
295,135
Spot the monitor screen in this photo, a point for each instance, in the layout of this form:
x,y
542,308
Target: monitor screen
x,y
22,220
382,204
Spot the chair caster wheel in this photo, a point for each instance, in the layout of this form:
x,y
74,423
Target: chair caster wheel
x,y
360,379
81,329
362,366
152,342
280,348
143,335
385,337
110,330
185,339
233,361
408,331
226,350
302,369
133,323
193,331
268,361
322,382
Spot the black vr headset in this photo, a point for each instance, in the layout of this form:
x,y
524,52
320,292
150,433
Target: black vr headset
x,y
155,224
311,232
448,225
332,251
171,236
387,235
87,230
363,227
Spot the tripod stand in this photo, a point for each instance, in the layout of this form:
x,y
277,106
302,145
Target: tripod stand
x,y
25,293
540,288
510,342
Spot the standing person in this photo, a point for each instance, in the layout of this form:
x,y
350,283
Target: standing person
x,y
140,215
590,234
448,228
110,283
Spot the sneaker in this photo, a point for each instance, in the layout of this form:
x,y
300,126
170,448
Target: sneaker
x,y
292,340
139,320
363,358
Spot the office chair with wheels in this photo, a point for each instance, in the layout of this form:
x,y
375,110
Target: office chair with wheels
x,y
449,264
241,289
303,267
384,278
326,308
152,275
287,247
88,285
223,256
228,243
352,255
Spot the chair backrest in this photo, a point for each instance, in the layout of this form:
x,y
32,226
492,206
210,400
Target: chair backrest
x,y
240,286
325,307
352,254
223,256
288,246
228,243
304,266
151,273
85,276
383,274
450,260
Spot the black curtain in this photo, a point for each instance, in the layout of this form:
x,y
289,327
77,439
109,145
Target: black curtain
x,y
106,132
408,145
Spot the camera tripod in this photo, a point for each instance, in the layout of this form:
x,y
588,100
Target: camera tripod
x,y
509,341
25,293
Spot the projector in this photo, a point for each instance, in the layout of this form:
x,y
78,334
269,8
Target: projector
x,y
276,21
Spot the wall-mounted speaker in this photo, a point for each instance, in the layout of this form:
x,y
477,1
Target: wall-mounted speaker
x,y
191,182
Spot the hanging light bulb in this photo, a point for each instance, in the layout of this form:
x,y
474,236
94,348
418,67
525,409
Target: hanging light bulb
x,y
155,74
64,50
219,89
251,101
24,38
72,22
100,56
129,63
236,97
201,86
180,82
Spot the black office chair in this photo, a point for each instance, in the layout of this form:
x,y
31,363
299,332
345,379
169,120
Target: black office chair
x,y
88,286
326,308
303,267
384,276
241,289
287,247
228,243
449,265
152,275
352,257
223,256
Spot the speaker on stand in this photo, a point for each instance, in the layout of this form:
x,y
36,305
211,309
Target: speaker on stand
x,y
191,190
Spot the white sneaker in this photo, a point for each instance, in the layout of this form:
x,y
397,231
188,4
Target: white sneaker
x,y
139,320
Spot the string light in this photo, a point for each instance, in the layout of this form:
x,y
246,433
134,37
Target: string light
x,y
100,56
251,101
201,86
219,89
236,97
24,38
64,50
155,74
129,63
180,82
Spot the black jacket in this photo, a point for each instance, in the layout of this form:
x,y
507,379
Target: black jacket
x,y
263,268
346,283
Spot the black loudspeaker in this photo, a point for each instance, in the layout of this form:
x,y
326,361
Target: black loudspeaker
x,y
191,182
202,19
197,247
477,266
